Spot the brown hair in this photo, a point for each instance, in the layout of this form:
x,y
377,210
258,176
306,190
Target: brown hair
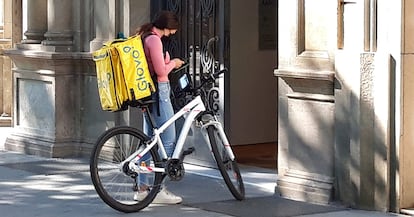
x,y
164,20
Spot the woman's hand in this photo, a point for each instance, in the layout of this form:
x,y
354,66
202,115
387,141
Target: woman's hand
x,y
178,62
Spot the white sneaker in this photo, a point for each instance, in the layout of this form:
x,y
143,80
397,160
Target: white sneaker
x,y
166,197
140,195
163,197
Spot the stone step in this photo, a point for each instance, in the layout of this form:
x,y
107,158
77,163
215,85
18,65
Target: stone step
x,y
5,121
408,211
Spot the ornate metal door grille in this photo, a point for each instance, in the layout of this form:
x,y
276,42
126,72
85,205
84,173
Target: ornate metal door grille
x,y
201,41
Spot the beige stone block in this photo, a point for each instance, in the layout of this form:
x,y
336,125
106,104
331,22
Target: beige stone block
x,y
409,27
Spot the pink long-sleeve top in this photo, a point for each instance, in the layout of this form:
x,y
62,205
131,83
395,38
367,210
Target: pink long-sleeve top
x,y
157,63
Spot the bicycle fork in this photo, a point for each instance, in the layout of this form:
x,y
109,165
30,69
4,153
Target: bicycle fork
x,y
216,124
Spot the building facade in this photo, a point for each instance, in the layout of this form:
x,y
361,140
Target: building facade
x,y
7,38
327,81
344,102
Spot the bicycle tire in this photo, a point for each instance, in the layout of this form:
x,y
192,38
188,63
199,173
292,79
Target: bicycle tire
x,y
229,169
113,185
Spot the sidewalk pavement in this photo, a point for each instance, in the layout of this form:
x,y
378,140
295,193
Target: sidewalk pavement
x,y
43,187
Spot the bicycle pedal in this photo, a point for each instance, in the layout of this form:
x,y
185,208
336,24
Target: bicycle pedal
x,y
189,151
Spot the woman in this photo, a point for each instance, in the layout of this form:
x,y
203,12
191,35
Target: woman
x,y
160,64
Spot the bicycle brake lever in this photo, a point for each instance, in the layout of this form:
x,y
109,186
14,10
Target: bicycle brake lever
x,y
217,74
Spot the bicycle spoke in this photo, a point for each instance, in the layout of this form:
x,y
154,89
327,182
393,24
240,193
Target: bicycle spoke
x,y
117,184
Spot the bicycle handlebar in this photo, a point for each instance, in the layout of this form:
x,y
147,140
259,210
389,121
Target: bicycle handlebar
x,y
210,78
206,79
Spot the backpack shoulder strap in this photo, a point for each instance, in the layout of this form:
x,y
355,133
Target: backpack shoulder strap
x,y
153,75
145,35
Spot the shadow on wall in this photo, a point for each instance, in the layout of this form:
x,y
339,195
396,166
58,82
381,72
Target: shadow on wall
x,y
348,142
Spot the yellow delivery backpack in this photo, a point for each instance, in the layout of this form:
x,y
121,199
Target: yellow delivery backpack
x,y
122,73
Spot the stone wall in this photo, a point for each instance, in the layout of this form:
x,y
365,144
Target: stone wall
x,y
56,104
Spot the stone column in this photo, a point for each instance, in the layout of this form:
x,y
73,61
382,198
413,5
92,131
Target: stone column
x,y
36,21
49,86
118,16
306,100
134,14
365,158
59,36
57,106
105,19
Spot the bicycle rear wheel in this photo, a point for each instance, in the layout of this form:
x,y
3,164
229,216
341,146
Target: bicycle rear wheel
x,y
116,185
229,169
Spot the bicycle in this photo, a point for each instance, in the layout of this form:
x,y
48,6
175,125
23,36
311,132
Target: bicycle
x,y
124,160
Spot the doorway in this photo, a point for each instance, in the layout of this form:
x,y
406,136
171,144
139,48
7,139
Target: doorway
x,y
212,37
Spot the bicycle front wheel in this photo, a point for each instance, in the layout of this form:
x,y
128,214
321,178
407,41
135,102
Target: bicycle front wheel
x,y
118,186
229,169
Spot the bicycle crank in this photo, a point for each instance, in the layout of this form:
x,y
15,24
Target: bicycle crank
x,y
174,169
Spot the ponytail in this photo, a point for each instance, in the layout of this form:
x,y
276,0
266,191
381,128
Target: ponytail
x,y
145,28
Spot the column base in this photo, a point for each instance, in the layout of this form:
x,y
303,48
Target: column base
x,y
56,48
303,186
29,46
31,41
33,37
42,146
55,110
58,42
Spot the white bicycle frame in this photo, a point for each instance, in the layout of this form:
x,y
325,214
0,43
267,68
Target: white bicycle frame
x,y
190,111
